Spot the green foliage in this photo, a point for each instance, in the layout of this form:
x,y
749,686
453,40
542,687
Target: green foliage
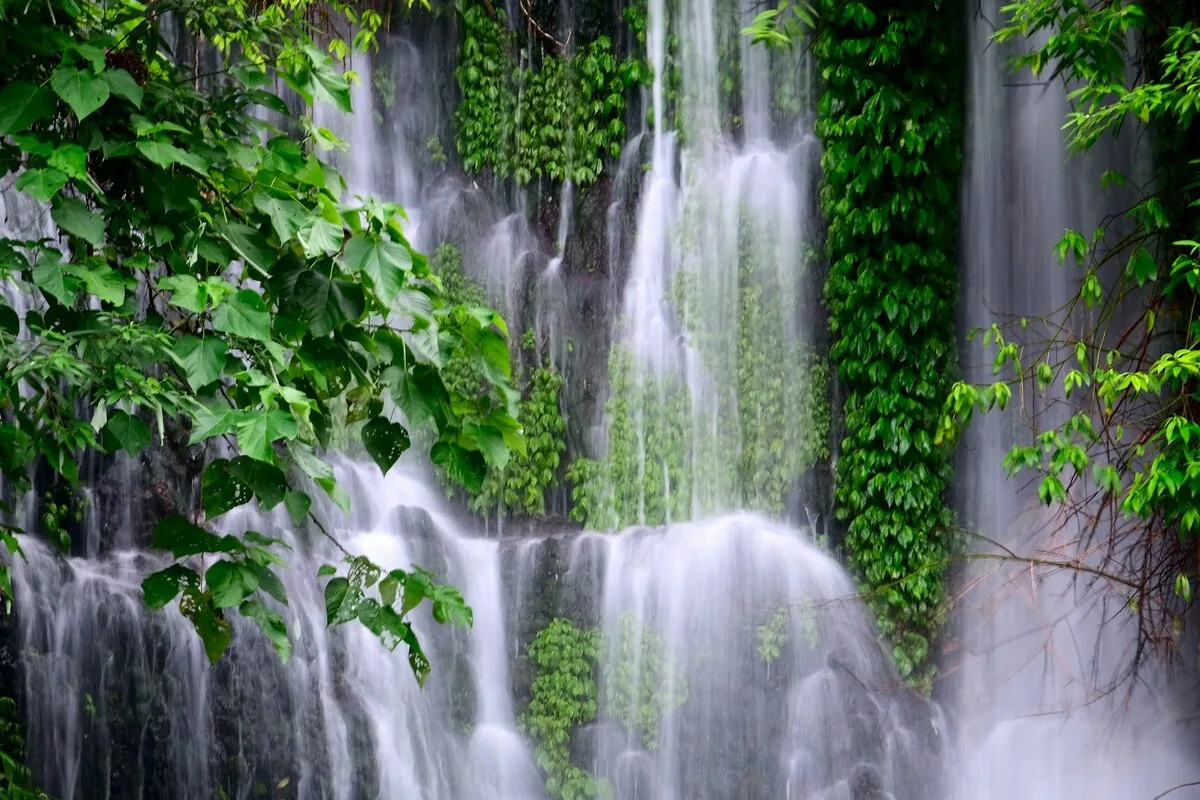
x,y
520,486
645,477
781,27
640,682
264,290
773,636
564,697
517,487
559,119
16,782
1130,445
890,117
782,411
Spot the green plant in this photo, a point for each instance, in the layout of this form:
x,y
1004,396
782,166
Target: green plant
x,y
773,636
564,697
16,782
560,118
437,153
384,85
520,487
640,682
890,117
645,477
1125,351
263,291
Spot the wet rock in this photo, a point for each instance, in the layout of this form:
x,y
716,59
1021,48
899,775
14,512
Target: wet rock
x,y
635,776
598,744
802,776
866,783
866,737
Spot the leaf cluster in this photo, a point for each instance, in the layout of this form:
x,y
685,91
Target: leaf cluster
x,y
559,119
1122,467
209,271
564,697
890,116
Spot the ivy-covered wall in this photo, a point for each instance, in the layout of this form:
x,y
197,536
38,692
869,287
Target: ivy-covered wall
x,y
531,114
891,119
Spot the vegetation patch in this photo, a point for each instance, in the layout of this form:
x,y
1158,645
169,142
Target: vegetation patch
x,y
557,117
891,119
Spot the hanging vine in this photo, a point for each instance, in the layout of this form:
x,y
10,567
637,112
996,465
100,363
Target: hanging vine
x,y
564,697
520,487
546,115
891,119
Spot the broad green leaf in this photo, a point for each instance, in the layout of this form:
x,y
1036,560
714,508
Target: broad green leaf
x,y
71,159
165,154
272,625
126,432
230,582
341,601
250,244
183,538
267,480
21,104
160,588
414,304
420,394
221,490
244,314
122,84
269,582
55,279
326,569
385,441
287,216
263,427
384,262
327,85
491,443
41,184
215,632
309,462
75,218
10,323
297,504
106,283
186,292
449,607
82,91
389,585
336,493
200,359
320,238
468,467
329,304
215,421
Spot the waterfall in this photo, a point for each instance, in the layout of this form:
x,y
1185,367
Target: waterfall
x,y
731,655
768,681
1040,652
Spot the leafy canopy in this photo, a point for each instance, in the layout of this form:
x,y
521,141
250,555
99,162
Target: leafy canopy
x,y
211,275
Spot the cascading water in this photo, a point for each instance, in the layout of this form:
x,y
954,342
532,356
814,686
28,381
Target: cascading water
x,y
716,309
735,660
772,685
1041,651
